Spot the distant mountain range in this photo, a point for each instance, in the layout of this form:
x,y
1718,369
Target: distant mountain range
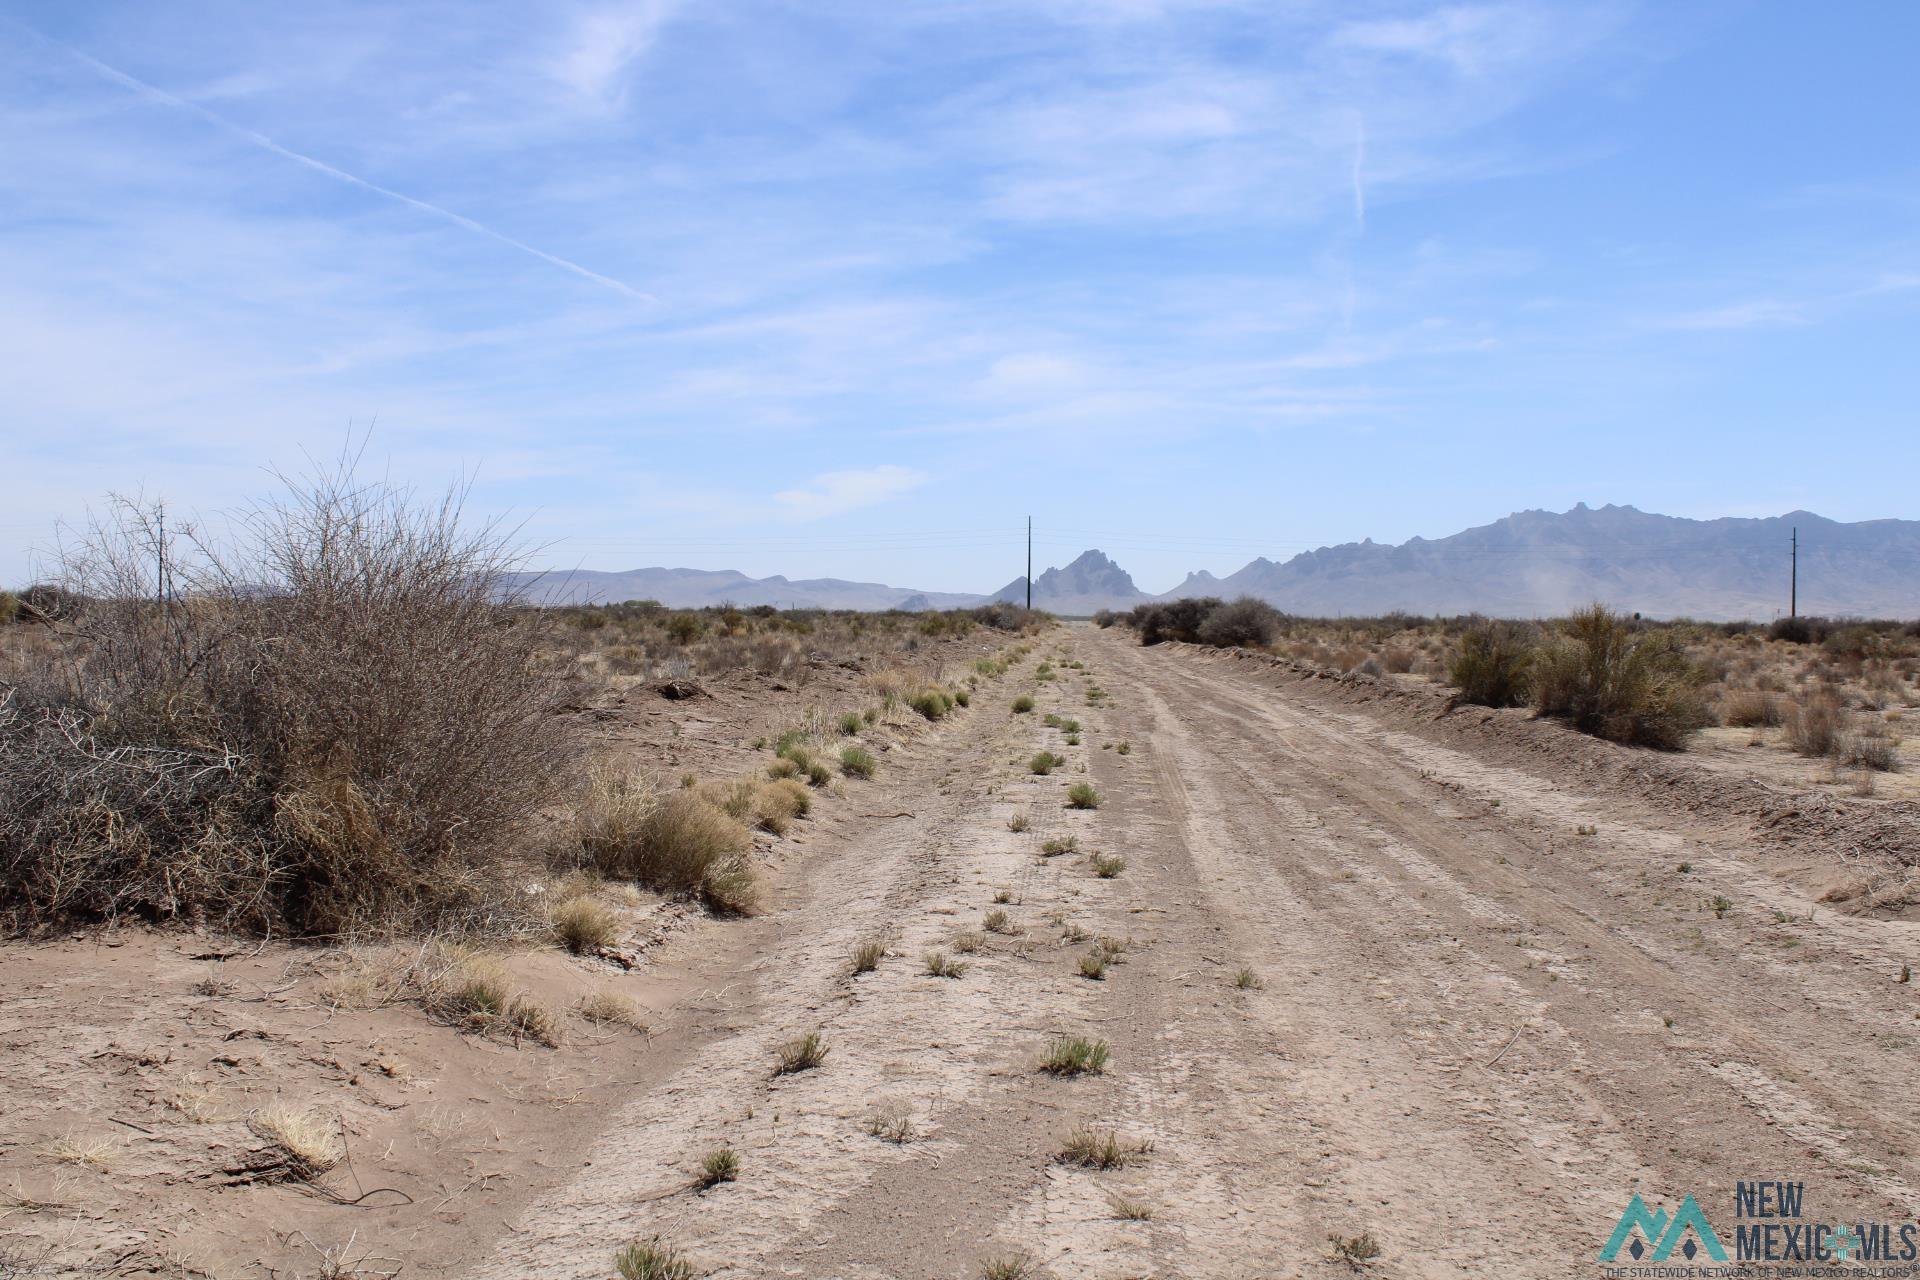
x,y
1533,563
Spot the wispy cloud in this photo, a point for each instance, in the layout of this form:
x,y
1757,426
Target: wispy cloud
x,y
604,43
1762,314
838,492
156,94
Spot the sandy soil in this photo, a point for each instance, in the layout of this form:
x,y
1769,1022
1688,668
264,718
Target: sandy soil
x,y
1502,980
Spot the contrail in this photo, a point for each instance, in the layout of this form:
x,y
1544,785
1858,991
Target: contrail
x,y
265,143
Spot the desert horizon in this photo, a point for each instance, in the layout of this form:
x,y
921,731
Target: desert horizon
x,y
970,640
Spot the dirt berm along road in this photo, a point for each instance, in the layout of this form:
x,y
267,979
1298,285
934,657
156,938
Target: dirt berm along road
x,y
1488,1007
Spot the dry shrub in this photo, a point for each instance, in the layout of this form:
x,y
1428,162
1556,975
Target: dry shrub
x,y
1815,724
331,719
1398,661
673,841
612,1009
1619,683
583,924
309,1139
1751,709
1872,748
1490,666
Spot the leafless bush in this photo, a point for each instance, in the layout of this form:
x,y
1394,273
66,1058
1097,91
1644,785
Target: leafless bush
x,y
1815,724
1751,709
329,719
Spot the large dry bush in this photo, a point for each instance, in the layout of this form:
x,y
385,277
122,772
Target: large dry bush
x,y
1618,682
1490,667
327,719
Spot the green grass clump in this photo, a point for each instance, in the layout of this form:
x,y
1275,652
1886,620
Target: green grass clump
x,y
1081,795
941,965
1101,1149
652,1260
1044,763
1058,845
856,763
850,723
1075,1056
1022,704
719,1166
932,702
804,1054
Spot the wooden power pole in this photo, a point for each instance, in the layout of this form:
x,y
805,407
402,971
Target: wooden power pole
x,y
1029,564
1793,577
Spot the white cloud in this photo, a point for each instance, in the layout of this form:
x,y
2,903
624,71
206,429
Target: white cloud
x,y
837,492
604,43
1765,314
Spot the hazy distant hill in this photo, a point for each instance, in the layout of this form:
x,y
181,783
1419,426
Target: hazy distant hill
x,y
1530,564
696,588
1544,562
1091,582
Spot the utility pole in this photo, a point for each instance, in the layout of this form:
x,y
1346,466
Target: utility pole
x,y
1793,589
1029,564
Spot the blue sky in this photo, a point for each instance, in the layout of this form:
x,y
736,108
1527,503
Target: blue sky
x,y
852,288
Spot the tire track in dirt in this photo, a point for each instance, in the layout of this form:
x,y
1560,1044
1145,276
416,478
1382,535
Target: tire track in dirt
x,y
1423,899
1459,1046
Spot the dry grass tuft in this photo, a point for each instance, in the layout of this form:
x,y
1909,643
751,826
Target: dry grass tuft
x,y
891,1121
674,841
612,1009
1095,1148
652,1259
582,925
309,1138
91,1152
722,1165
941,965
804,1054
868,955
1074,1056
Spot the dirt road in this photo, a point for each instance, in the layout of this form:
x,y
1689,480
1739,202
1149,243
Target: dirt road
x,y
1490,1007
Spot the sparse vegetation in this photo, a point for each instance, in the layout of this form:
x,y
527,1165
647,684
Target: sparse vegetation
x,y
652,1259
1074,1056
941,965
1081,795
868,955
722,1165
1096,1148
1108,865
610,1008
1057,845
804,1054
1019,822
891,1121
1016,1266
1022,704
308,1139
1353,1250
1247,980
1044,763
583,924
857,763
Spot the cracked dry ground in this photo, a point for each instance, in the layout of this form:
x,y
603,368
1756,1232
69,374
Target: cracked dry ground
x,y
1490,1006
